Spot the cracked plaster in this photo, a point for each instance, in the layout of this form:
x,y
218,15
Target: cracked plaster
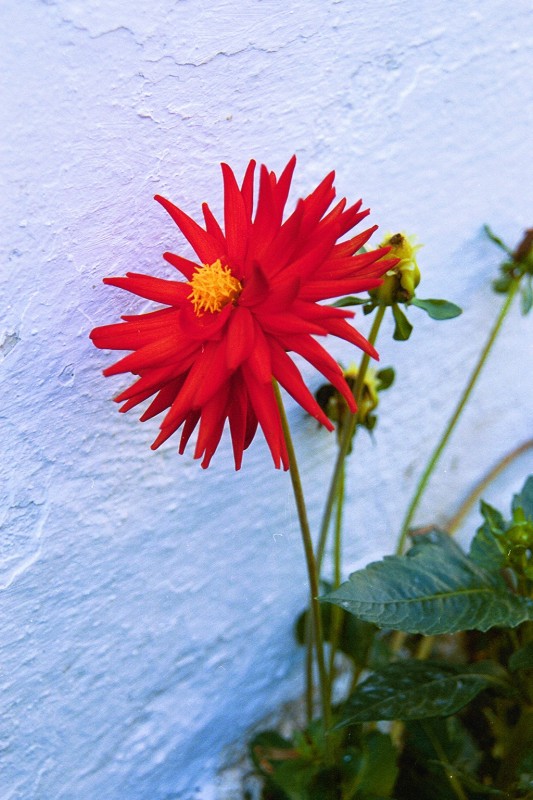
x,y
147,606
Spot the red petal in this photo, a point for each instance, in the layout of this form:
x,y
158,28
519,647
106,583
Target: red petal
x,y
240,337
204,244
151,355
235,221
186,267
172,293
288,376
212,227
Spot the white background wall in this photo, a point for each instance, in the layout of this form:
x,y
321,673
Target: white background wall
x,y
146,604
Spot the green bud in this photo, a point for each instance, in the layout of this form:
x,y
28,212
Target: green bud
x,y
400,282
335,407
521,533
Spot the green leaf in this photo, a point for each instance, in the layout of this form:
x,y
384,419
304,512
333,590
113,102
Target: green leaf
x,y
433,589
414,690
376,770
403,327
522,659
492,517
437,309
524,500
350,301
486,551
385,377
427,742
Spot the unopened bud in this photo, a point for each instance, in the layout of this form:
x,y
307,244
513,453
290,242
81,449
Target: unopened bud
x,y
400,282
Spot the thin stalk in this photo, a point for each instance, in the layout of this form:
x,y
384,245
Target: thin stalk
x,y
336,612
312,571
347,437
424,479
480,487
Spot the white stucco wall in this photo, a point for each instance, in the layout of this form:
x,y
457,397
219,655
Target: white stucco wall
x,y
146,604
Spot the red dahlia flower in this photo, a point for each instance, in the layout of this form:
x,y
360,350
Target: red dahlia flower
x,y
212,353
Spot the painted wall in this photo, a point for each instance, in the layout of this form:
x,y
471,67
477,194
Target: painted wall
x,y
147,605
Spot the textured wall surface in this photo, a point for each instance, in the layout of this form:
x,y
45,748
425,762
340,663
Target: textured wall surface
x,y
147,605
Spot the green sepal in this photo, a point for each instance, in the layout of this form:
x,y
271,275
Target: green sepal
x,y
526,296
385,378
496,239
402,328
522,659
437,309
409,690
349,301
502,284
435,588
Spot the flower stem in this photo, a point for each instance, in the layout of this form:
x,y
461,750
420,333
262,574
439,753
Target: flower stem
x,y
435,456
347,437
312,572
336,612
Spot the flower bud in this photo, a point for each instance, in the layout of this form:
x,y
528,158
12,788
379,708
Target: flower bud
x,y
400,282
335,407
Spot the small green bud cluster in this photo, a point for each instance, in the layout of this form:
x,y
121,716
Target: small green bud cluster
x,y
335,407
518,266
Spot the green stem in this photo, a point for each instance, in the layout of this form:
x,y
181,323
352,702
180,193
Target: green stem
x,y
336,611
480,487
424,479
347,437
312,571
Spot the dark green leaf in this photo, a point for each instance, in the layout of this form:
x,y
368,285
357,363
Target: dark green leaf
x,y
414,690
522,659
492,517
496,239
385,377
377,770
487,550
437,309
433,589
403,327
350,301
427,742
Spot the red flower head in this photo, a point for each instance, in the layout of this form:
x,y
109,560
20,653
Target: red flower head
x,y
212,353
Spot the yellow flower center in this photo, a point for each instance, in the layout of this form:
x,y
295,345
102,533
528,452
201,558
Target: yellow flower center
x,y
213,287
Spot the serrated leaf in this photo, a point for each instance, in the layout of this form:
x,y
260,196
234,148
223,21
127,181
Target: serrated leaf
x,y
492,517
349,301
385,378
433,589
522,659
403,327
437,309
413,690
487,549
